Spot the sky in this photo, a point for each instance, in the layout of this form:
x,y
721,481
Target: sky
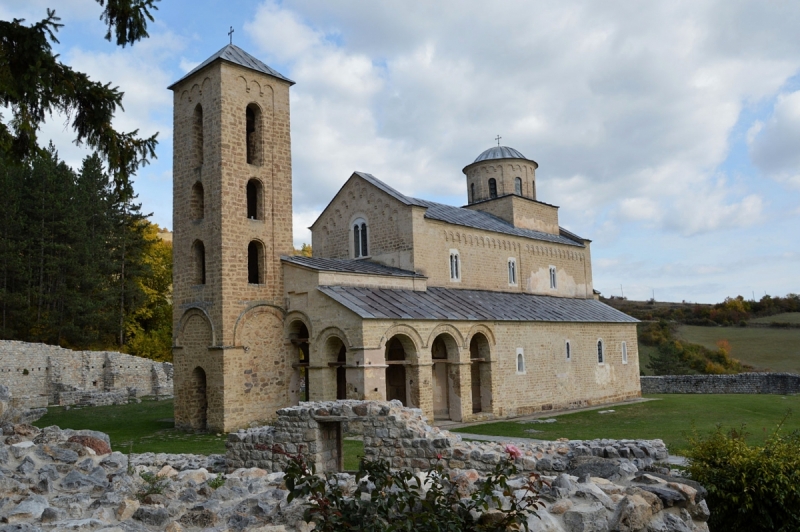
x,y
668,132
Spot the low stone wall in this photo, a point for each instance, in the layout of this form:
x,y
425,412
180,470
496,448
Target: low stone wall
x,y
403,437
41,374
774,383
81,398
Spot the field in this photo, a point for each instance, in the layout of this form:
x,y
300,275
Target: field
x,y
644,357
670,418
762,348
786,317
138,428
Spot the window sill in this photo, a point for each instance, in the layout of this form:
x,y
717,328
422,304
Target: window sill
x,y
365,257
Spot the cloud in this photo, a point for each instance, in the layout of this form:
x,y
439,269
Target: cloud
x,y
775,144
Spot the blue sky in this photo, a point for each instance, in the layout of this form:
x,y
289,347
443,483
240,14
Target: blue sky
x,y
667,132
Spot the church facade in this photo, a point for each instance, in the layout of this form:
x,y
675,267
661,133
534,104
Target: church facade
x,y
476,312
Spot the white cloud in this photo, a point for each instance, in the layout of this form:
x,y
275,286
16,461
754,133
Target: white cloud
x,y
775,144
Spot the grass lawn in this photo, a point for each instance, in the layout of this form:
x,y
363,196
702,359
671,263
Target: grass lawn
x,y
774,349
139,428
670,418
786,317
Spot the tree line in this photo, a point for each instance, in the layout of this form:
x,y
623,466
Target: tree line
x,y
80,265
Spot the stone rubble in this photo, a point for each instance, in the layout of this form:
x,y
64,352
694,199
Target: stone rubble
x,y
53,479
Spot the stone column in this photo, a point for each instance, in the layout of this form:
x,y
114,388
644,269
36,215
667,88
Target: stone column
x,y
366,377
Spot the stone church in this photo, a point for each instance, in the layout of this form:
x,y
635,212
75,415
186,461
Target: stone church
x,y
475,312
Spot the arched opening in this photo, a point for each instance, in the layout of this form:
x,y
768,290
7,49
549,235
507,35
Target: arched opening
x,y
360,238
199,262
197,403
198,201
255,200
492,188
599,351
197,135
338,353
518,186
472,193
480,374
253,134
298,336
398,351
445,397
255,262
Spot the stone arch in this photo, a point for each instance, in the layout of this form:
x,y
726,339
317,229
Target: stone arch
x,y
182,326
405,330
256,262
254,134
198,262
401,385
483,329
254,193
445,379
298,334
249,313
449,329
480,372
198,203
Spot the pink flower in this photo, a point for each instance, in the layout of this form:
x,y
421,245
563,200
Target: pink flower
x,y
513,451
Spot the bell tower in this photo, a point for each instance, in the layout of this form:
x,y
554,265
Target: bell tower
x,y
232,217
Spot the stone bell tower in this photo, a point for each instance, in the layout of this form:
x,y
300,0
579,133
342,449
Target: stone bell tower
x,y
232,213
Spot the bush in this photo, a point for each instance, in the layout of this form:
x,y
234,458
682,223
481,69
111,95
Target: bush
x,y
749,487
384,500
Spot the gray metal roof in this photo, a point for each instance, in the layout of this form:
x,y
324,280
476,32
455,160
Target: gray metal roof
x,y
348,266
470,305
470,218
234,54
499,152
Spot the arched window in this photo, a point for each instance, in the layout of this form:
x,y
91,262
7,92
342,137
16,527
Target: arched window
x,y
255,262
472,193
624,353
520,361
197,135
199,259
568,349
198,201
600,351
553,278
512,271
492,188
360,238
254,200
253,134
518,186
455,265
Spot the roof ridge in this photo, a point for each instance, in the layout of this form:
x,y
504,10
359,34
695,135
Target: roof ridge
x,y
234,54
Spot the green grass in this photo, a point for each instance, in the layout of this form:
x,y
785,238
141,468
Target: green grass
x,y
670,418
139,427
786,317
353,450
762,348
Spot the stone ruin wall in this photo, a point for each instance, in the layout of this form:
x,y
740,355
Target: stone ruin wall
x,y
403,437
58,376
773,383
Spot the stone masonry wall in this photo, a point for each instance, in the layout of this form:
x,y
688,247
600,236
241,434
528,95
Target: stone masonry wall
x,y
403,437
41,374
776,383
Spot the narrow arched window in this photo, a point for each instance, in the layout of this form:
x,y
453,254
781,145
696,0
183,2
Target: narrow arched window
x,y
360,238
492,188
455,265
568,349
553,278
472,193
197,135
512,271
255,263
253,130
520,361
518,186
600,351
199,260
254,200
624,353
198,201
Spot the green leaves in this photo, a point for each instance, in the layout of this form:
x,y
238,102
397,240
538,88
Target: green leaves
x,y
750,488
35,84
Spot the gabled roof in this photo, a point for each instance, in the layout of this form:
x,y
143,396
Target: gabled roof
x,y
470,305
467,217
347,266
233,54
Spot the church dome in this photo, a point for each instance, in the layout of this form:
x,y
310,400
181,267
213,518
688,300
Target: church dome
x,y
499,152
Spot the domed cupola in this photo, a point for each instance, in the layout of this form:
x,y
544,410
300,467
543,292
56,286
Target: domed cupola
x,y
500,171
